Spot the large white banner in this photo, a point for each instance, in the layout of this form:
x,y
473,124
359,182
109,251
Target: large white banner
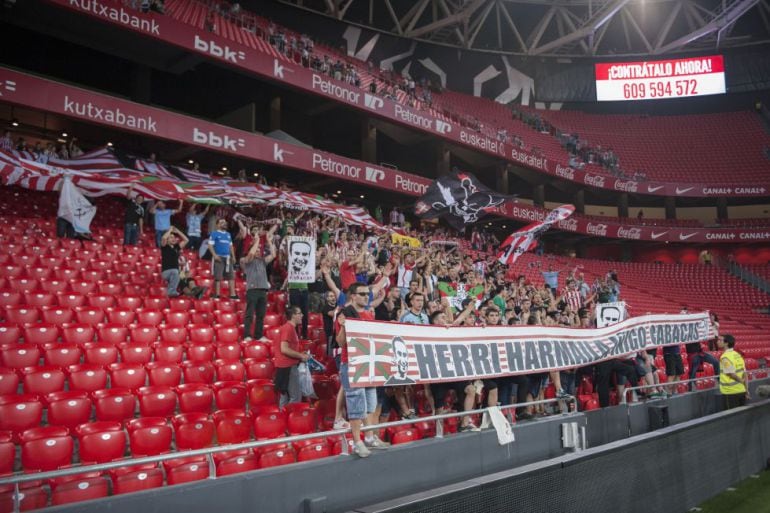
x,y
385,353
301,252
75,208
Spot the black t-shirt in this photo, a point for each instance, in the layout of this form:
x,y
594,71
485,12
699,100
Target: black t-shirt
x,y
326,309
169,257
381,313
134,212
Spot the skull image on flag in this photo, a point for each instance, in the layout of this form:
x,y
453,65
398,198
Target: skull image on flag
x,y
460,198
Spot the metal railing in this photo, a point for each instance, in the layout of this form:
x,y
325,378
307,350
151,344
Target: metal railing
x,y
208,453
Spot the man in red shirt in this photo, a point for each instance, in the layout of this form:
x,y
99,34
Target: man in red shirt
x,y
287,359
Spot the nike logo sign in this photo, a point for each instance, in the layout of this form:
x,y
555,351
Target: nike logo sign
x,y
654,189
682,191
658,235
682,236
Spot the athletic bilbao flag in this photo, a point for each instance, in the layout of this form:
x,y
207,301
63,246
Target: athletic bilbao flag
x,y
459,198
526,239
75,208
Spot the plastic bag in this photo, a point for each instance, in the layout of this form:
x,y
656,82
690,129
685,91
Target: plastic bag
x,y
305,381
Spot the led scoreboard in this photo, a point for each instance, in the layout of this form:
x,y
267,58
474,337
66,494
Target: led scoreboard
x,y
653,80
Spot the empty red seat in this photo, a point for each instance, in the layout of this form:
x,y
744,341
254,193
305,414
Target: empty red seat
x,y
187,472
101,442
135,353
269,425
259,369
127,375
200,352
313,452
163,373
41,334
169,352
174,335
77,333
180,304
201,333
20,412
46,448
89,315
156,401
272,320
121,316
39,299
232,426
204,305
82,286
137,481
405,436
7,452
34,497
227,334
157,302
237,464
22,284
114,404
228,351
57,315
71,300
9,381
11,271
129,302
68,408
10,298
43,380
180,319
55,287
193,431
230,394
226,318
83,489
144,334
276,457
22,314
198,372
262,392
195,397
10,333
101,301
110,288
149,317
87,377
100,354
301,421
149,436
20,356
258,351
230,370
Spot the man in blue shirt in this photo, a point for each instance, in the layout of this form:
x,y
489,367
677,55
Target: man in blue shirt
x,y
163,218
222,258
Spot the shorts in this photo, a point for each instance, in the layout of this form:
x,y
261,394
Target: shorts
x,y
674,365
282,378
221,270
359,401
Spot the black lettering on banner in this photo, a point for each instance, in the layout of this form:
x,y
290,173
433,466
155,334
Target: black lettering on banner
x,y
460,356
425,361
693,332
654,335
641,336
614,340
667,335
675,334
443,361
577,356
562,354
602,347
633,342
495,353
545,350
515,355
585,348
480,355
531,357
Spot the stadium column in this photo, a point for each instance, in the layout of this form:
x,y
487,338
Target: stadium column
x,y
275,113
579,200
501,175
623,204
368,141
670,207
538,195
722,208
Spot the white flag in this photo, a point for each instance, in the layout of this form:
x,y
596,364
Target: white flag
x,y
75,208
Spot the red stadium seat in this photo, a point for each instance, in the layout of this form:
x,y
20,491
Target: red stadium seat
x,y
314,452
100,354
101,442
19,413
157,302
238,464
259,369
256,350
129,302
10,333
9,381
20,356
200,352
39,299
121,316
127,375
71,300
227,334
230,370
232,426
135,353
144,334
41,334
87,377
164,374
29,498
301,421
275,458
77,333
22,314
114,404
46,448
22,284
272,320
195,397
149,317
180,304
228,351
198,371
230,395
7,453
137,481
174,335
204,305
149,440
156,401
68,408
11,271
179,319
269,425
10,298
55,287
262,392
193,431
169,353
57,315
187,473
406,436
89,315
226,318
43,380
84,287
84,489
201,334
101,301
110,288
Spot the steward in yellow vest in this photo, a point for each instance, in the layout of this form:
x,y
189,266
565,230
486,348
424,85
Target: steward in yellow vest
x,y
733,381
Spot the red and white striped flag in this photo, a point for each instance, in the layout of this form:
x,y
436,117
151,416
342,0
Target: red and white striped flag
x,y
526,239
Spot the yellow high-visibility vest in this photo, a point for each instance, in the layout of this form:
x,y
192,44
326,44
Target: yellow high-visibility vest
x,y
731,359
